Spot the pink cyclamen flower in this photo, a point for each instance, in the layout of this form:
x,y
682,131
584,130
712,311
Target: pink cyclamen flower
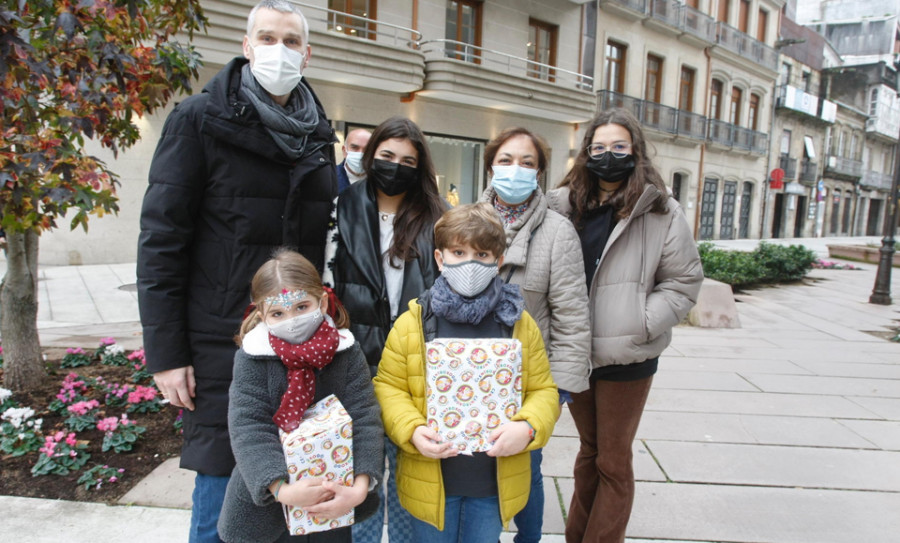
x,y
107,341
76,350
70,439
113,479
138,354
108,424
84,407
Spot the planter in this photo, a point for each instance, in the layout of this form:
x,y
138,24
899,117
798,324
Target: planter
x,y
861,253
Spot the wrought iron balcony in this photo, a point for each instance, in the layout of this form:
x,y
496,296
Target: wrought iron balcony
x,y
657,116
844,167
638,6
737,137
876,180
789,165
697,23
737,42
808,171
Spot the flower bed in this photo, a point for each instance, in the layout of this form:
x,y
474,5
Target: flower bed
x,y
90,432
861,253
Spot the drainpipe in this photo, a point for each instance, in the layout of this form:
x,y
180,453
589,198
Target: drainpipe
x,y
699,203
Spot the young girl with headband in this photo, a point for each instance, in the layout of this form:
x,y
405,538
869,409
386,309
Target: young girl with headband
x,y
295,350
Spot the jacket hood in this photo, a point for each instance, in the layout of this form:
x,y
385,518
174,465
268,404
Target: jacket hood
x,y
256,342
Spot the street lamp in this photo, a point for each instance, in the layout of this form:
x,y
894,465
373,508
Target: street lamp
x,y
881,292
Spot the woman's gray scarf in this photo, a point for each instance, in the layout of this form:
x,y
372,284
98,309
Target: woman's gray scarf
x,y
291,125
503,300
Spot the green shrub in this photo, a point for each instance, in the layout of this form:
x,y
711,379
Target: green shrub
x,y
768,263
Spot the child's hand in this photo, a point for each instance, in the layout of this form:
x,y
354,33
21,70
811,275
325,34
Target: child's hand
x,y
305,492
344,500
510,438
430,444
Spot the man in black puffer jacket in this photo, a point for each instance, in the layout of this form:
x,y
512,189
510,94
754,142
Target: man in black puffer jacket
x,y
243,168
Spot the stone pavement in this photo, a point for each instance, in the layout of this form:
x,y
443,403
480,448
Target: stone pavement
x,y
784,430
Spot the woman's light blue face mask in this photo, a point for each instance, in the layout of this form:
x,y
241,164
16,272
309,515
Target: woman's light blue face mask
x,y
513,183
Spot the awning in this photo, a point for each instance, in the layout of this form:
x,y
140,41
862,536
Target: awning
x,y
810,148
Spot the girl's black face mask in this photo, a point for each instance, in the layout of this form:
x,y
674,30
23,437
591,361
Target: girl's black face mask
x,y
611,168
392,178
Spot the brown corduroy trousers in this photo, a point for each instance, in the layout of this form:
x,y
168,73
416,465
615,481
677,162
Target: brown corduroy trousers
x,y
607,417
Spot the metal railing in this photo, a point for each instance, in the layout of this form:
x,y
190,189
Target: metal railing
x,y
876,180
331,20
667,11
657,116
737,42
639,6
721,132
789,165
694,21
844,166
808,170
505,62
738,137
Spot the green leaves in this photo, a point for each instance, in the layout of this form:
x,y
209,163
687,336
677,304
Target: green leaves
x,y
768,263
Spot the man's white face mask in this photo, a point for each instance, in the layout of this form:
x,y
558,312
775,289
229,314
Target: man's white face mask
x,y
277,68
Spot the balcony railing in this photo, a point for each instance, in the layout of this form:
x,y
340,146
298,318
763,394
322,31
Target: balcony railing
x,y
737,42
504,62
694,21
789,165
639,6
808,171
667,11
738,137
360,27
657,116
877,180
844,166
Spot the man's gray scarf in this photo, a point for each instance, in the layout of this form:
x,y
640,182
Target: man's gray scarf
x,y
291,125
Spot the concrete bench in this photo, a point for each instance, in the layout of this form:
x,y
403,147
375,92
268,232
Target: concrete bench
x,y
715,306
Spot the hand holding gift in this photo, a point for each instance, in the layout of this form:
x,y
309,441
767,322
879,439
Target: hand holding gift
x,y
431,445
343,498
510,438
304,492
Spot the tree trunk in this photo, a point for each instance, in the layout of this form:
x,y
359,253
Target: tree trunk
x,y
23,366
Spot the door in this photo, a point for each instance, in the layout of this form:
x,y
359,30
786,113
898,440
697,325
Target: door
x,y
874,213
800,217
729,199
708,209
778,217
746,201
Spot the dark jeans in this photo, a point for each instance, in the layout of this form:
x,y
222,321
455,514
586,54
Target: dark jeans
x,y
607,417
209,493
530,520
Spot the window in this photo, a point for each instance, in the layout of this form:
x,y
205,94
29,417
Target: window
x,y
744,16
464,26
786,142
785,74
715,99
754,112
541,49
854,147
615,66
873,101
842,144
723,11
806,78
761,25
686,89
677,180
353,26
652,90
734,113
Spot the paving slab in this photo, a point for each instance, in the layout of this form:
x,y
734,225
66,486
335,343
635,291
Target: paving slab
x,y
815,384
31,520
769,465
166,486
560,453
700,380
750,429
886,408
881,370
884,434
691,512
763,403
735,365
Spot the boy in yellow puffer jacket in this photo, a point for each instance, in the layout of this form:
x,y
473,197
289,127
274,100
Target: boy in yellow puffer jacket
x,y
452,496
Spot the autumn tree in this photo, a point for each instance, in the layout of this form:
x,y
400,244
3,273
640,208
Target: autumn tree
x,y
73,70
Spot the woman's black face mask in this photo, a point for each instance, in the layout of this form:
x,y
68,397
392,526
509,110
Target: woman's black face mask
x,y
392,178
611,168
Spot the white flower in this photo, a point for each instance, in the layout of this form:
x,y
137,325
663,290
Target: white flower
x,y
114,349
4,394
17,415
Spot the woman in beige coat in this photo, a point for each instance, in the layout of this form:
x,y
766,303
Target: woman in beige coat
x,y
543,257
643,274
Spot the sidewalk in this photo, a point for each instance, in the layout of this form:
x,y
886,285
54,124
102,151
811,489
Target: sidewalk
x,y
784,430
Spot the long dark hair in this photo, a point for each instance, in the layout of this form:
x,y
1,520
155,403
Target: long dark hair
x,y
584,188
422,205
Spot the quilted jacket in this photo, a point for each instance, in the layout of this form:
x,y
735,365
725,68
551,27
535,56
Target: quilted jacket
x,y
400,389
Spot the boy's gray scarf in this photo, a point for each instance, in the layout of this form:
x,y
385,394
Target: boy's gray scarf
x,y
291,125
505,301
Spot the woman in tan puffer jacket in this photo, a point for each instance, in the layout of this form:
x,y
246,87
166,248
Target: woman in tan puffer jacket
x,y
643,275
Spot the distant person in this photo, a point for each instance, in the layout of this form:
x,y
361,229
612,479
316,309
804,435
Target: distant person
x,y
350,170
240,169
295,351
380,257
453,196
542,256
456,497
643,274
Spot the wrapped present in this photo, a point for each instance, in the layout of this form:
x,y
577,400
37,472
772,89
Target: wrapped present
x,y
322,446
472,386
